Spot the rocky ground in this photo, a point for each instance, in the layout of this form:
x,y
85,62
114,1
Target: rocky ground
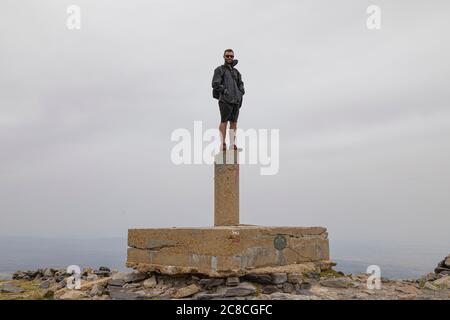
x,y
321,284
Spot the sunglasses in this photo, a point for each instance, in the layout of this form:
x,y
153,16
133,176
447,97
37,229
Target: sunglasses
x,y
229,56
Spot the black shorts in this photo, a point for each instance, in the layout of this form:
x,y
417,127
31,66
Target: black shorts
x,y
228,111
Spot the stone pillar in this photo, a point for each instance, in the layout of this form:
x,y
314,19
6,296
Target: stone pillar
x,y
226,188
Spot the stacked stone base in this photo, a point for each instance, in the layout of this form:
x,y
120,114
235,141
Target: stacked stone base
x,y
226,250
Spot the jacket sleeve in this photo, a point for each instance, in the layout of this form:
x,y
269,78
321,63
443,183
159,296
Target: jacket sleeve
x,y
217,80
241,83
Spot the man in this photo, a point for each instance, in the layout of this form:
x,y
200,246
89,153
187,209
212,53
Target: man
x,y
228,88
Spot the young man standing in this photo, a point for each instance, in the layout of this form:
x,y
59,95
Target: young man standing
x,y
228,88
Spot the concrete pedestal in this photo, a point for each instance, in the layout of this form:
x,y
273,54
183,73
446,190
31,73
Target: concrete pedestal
x,y
224,251
226,188
228,248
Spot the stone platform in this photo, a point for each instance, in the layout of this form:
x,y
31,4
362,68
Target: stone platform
x,y
224,250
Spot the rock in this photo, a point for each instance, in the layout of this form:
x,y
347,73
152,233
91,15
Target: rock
x,y
97,290
119,275
161,287
61,278
49,272
287,296
243,289
87,271
408,289
447,261
342,282
360,296
45,284
326,265
36,274
104,269
88,285
102,297
150,282
153,293
116,282
442,270
102,273
18,275
279,277
61,284
430,277
360,277
288,287
294,278
443,266
177,282
10,288
443,282
61,271
232,281
262,278
91,277
268,289
21,275
303,292
120,278
208,296
430,286
303,286
209,283
47,294
72,295
407,297
132,285
186,291
312,275
168,293
29,274
277,284
136,277
118,293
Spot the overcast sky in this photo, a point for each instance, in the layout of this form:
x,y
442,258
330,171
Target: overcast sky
x,y
364,117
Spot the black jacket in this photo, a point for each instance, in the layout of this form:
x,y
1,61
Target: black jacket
x,y
228,81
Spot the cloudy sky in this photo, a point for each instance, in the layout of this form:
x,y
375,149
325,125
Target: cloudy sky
x,y
86,115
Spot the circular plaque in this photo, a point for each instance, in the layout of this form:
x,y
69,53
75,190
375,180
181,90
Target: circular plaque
x,y
279,242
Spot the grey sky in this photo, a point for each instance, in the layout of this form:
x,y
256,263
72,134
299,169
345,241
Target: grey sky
x,y
364,117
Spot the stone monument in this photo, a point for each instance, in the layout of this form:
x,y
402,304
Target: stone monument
x,y
229,248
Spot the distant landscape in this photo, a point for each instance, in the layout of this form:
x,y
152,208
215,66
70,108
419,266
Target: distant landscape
x,y
26,253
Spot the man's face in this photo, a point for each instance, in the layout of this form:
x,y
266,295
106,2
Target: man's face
x,y
228,56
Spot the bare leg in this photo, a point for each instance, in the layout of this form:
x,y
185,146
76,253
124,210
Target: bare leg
x,y
223,131
233,126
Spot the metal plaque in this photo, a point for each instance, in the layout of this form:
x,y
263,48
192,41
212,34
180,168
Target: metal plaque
x,y
279,242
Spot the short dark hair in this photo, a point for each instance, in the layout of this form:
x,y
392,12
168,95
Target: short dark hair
x,y
228,50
